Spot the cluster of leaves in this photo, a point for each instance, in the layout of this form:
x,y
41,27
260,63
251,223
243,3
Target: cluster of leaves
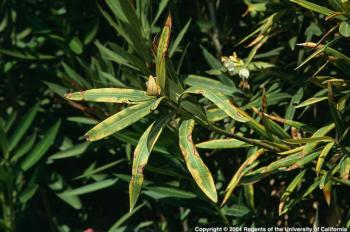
x,y
266,117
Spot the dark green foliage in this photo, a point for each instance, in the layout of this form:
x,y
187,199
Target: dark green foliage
x,y
245,103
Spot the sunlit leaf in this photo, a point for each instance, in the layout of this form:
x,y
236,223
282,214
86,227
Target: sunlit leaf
x,y
194,163
121,120
114,95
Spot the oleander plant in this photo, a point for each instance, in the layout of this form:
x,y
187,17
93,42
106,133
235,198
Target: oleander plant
x,y
143,115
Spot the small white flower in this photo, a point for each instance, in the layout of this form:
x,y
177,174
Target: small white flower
x,y
244,73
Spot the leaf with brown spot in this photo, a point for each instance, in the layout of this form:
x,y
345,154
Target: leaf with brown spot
x,y
141,155
162,51
194,163
239,174
121,120
114,95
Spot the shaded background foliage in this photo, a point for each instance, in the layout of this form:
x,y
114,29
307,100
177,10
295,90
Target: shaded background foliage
x,y
48,48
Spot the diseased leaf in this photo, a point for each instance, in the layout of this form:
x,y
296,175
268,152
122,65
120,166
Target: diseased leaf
x,y
114,95
289,190
121,120
284,162
319,133
309,140
322,156
194,163
141,155
345,169
222,144
205,82
162,53
239,174
220,101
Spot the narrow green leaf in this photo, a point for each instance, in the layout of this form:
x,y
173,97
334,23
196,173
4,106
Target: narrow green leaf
x,y
179,38
205,82
91,34
58,89
344,29
222,144
289,190
194,163
82,120
121,120
41,147
90,172
25,55
220,101
309,140
322,156
274,128
141,155
319,133
59,185
28,193
108,54
22,127
9,122
3,141
75,76
161,7
311,101
89,188
70,152
292,151
236,210
76,45
304,160
24,147
311,188
339,122
168,192
123,219
114,95
314,7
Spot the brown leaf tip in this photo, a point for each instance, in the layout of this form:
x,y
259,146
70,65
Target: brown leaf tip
x,y
87,137
169,21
